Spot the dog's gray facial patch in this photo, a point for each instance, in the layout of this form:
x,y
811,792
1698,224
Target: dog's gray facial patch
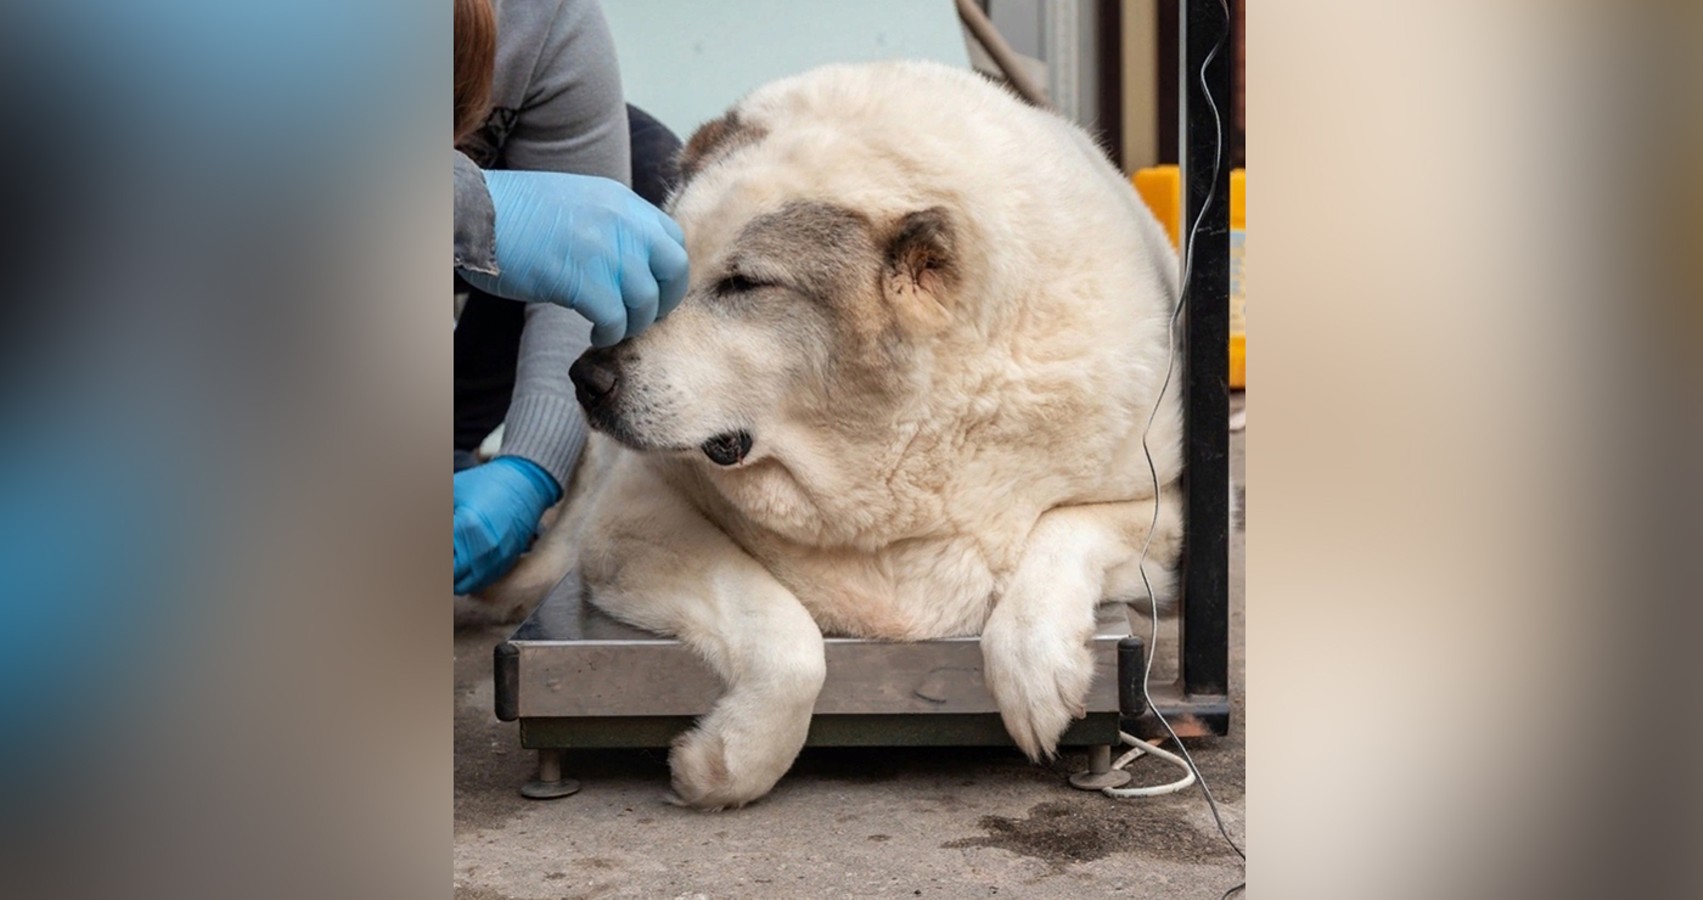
x,y
817,249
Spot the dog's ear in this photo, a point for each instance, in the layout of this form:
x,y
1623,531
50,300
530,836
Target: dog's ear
x,y
921,268
713,140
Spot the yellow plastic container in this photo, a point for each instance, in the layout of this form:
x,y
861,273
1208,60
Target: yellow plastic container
x,y
1161,188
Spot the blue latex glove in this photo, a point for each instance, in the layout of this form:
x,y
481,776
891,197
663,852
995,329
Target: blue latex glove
x,y
497,507
586,243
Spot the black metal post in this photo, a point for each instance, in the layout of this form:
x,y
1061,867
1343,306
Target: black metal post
x,y
1205,624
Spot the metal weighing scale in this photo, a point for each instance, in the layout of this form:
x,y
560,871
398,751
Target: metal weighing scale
x,y
575,678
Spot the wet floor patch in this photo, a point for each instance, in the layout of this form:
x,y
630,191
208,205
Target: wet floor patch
x,y
1093,827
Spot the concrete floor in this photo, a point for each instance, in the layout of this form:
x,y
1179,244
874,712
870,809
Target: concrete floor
x,y
843,823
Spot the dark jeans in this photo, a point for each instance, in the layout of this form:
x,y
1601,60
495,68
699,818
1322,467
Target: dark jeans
x,y
487,337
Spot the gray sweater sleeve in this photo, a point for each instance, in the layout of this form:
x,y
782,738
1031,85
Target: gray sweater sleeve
x,y
571,118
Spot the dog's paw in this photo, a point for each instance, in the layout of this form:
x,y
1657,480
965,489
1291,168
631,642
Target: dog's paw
x,y
698,763
1040,685
704,777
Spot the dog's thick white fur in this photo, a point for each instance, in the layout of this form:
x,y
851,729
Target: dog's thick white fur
x,y
904,398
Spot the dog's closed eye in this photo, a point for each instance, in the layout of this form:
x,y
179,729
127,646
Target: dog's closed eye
x,y
740,283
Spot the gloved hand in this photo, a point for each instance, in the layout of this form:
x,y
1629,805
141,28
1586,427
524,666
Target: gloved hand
x,y
497,507
586,243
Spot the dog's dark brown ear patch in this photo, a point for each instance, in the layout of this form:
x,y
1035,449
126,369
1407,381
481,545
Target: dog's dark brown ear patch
x,y
921,265
712,140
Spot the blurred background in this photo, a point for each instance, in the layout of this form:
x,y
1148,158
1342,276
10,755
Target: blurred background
x,y
1472,554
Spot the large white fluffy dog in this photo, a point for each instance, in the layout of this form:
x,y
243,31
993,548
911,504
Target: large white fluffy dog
x,y
904,399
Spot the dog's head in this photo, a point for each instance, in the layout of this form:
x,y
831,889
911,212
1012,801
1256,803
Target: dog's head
x,y
826,267
902,279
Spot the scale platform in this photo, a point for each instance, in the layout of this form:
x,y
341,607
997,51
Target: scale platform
x,y
575,678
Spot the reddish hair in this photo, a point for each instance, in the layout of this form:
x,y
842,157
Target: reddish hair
x,y
475,61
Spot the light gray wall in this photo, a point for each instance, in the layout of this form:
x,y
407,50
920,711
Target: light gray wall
x,y
686,61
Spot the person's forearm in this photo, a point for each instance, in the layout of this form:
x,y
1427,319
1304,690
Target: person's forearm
x,y
545,423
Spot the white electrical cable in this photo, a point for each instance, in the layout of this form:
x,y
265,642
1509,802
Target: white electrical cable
x,y
1142,748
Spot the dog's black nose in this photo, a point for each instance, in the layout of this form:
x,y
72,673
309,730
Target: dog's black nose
x,y
595,379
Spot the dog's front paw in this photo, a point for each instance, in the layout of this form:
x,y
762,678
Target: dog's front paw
x,y
1040,683
707,776
698,763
